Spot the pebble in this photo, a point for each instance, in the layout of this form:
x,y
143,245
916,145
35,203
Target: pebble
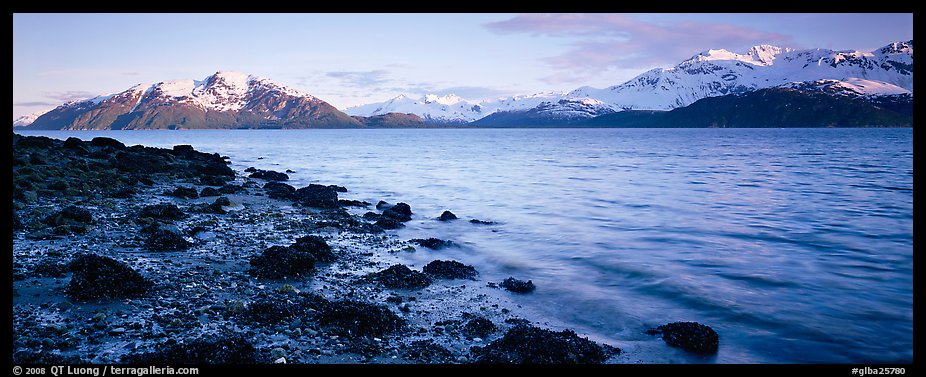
x,y
117,331
462,359
477,340
278,353
281,360
328,352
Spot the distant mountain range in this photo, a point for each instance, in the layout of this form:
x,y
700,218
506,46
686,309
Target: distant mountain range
x,y
716,88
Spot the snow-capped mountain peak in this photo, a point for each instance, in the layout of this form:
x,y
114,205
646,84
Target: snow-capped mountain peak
x,y
449,99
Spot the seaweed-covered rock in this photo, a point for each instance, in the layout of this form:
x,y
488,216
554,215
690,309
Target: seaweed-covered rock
x,y
185,192
106,142
316,246
399,276
479,327
97,277
278,190
51,268
449,269
690,336
427,351
316,196
209,191
533,345
355,318
212,180
166,240
71,215
517,286
447,216
401,212
269,175
353,203
162,211
431,243
387,223
278,262
227,347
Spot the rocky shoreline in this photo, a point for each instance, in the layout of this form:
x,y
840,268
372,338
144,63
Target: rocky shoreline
x,y
154,256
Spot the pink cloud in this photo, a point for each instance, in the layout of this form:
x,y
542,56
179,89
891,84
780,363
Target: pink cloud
x,y
604,41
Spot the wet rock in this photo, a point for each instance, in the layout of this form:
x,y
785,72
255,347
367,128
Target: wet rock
x,y
533,345
371,216
382,205
212,180
401,212
449,270
226,347
209,191
182,149
162,211
97,277
184,192
71,215
431,243
316,196
353,203
269,175
337,188
106,142
387,223
218,205
162,239
479,328
231,189
278,261
58,185
146,181
399,276
690,336
447,216
316,246
250,169
73,143
277,190
518,286
427,351
480,222
355,318
364,346
17,221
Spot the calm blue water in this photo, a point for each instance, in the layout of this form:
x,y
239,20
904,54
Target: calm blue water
x,y
796,245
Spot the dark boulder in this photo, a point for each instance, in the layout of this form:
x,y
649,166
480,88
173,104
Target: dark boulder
x,y
106,142
690,336
533,345
371,216
427,351
277,190
209,191
123,192
250,169
401,212
449,270
182,149
431,243
279,261
73,143
316,246
447,216
479,327
216,167
162,211
161,239
400,276
382,205
185,192
97,277
337,188
34,142
517,286
277,309
355,318
353,203
231,189
227,347
70,215
269,175
387,223
212,180
316,196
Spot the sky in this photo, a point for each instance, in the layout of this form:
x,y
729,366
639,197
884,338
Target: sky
x,y
354,59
